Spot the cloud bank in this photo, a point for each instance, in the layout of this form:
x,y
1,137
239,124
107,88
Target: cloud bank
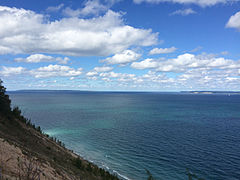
x,y
24,31
203,72
186,62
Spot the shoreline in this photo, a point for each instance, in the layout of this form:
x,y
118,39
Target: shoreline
x,y
104,166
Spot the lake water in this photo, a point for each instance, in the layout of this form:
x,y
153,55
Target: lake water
x,y
128,133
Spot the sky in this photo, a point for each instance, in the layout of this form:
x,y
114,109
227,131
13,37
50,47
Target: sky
x,y
120,45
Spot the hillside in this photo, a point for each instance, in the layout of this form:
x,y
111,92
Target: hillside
x,y
28,154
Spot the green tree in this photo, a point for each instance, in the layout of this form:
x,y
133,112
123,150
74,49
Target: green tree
x,y
5,102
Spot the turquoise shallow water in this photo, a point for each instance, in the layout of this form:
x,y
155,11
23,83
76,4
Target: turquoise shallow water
x,y
127,133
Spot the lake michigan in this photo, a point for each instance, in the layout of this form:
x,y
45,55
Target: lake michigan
x,y
131,132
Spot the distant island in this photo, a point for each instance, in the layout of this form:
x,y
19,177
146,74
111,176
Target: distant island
x,y
211,92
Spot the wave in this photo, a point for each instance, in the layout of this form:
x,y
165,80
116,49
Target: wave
x,y
120,175
104,166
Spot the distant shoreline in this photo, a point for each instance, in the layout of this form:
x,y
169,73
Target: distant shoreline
x,y
89,91
211,92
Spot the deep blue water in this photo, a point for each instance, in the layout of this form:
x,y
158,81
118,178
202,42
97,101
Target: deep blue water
x,y
130,132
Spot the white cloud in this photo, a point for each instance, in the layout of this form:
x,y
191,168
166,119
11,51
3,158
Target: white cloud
x,y
199,79
157,78
37,58
42,72
196,49
110,74
185,62
103,69
201,72
183,12
163,50
116,75
24,31
190,61
132,81
55,71
55,8
145,64
91,7
217,76
8,71
211,79
91,73
121,77
202,3
124,57
234,21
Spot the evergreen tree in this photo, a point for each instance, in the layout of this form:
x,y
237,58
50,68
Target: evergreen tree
x,y
5,102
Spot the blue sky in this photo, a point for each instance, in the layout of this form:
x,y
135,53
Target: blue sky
x,y
120,45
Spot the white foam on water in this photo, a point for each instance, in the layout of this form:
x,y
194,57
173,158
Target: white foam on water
x,y
106,167
107,156
120,175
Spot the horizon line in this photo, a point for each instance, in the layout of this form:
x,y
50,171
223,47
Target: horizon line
x,y
181,91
